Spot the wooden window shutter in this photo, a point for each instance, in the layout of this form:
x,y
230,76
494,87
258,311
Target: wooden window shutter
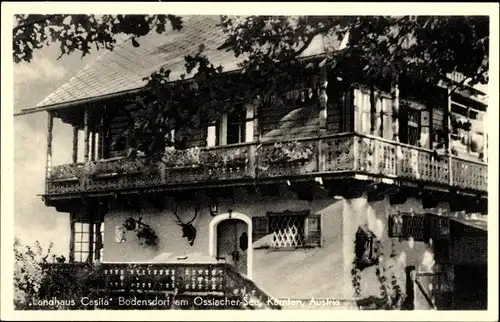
x,y
312,231
249,123
438,227
403,123
212,136
260,227
395,226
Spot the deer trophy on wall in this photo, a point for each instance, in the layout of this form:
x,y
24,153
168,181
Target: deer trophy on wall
x,y
188,230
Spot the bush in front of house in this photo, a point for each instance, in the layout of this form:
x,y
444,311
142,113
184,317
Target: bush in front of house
x,y
42,281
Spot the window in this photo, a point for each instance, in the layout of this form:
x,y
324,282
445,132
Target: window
x,y
408,225
413,127
468,136
414,124
88,239
378,118
387,130
287,230
362,106
234,127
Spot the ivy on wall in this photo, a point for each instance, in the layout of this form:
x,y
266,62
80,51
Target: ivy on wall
x,y
391,296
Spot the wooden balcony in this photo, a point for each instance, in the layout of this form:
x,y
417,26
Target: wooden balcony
x,y
179,281
327,156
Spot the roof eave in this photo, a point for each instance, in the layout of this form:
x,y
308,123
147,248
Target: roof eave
x,y
80,102
105,97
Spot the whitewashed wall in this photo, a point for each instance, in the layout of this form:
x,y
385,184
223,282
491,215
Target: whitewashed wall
x,y
374,215
302,273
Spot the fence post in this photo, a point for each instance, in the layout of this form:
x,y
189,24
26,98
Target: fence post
x,y
409,302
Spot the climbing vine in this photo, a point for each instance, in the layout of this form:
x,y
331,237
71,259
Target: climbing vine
x,y
145,234
391,295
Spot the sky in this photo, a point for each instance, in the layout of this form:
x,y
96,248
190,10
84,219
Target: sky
x,y
32,83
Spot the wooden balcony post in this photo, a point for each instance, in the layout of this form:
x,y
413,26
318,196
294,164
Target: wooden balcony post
x,y
75,144
71,237
50,126
395,122
395,110
100,143
92,144
250,136
105,138
373,110
448,137
323,116
86,135
253,158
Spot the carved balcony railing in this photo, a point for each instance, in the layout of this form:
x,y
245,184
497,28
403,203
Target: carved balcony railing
x,y
468,174
250,162
169,282
396,160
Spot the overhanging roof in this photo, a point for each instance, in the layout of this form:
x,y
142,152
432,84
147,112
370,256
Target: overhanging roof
x,y
480,224
122,70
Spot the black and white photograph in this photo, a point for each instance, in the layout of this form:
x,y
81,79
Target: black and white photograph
x,y
329,161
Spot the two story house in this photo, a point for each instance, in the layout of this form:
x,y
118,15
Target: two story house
x,y
283,199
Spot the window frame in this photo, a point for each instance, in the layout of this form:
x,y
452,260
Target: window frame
x,y
90,245
471,115
414,123
311,238
217,133
407,222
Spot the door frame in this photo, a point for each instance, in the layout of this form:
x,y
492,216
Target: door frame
x,y
212,240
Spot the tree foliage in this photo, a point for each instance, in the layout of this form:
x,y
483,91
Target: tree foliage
x,y
41,276
28,272
426,48
81,32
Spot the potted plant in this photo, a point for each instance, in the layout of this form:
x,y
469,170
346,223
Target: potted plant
x,y
174,158
236,158
66,172
212,159
289,152
144,232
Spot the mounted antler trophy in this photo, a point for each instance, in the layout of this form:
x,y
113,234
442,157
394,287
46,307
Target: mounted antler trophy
x,y
188,230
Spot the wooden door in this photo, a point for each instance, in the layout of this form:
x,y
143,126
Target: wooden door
x,y
232,243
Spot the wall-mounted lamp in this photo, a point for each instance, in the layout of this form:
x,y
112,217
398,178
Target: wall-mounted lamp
x,y
366,249
120,234
214,206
